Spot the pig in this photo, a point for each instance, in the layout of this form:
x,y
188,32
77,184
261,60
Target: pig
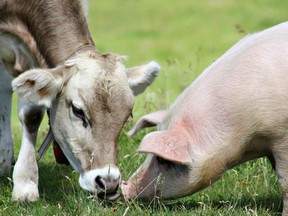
x,y
235,111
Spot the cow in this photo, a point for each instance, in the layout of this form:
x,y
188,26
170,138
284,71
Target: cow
x,y
47,52
235,111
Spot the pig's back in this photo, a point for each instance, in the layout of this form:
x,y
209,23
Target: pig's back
x,y
249,82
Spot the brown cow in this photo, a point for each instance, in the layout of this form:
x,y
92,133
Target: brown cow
x,y
89,94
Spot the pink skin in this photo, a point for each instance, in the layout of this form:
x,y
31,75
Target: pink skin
x,y
168,157
149,181
146,185
234,112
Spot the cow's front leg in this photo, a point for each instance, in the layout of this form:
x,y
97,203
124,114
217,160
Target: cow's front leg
x,y
6,143
25,174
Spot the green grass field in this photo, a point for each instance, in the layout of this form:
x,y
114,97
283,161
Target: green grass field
x,y
184,37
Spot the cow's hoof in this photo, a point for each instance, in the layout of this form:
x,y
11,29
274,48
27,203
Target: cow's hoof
x,y
27,192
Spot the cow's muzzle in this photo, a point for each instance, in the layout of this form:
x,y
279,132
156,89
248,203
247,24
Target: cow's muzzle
x,y
109,188
102,181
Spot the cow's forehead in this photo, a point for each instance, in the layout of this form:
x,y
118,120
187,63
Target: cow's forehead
x,y
98,79
98,63
93,67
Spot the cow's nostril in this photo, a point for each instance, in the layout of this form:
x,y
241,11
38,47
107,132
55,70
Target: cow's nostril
x,y
100,182
110,192
117,186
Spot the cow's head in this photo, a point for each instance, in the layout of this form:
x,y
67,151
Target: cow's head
x,y
90,98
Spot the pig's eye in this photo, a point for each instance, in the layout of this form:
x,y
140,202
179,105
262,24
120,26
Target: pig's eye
x,y
168,164
180,169
162,160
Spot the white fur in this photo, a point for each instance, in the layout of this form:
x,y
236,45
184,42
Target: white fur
x,y
25,175
87,179
142,76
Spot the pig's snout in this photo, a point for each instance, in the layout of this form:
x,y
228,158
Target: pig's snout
x,y
129,191
144,192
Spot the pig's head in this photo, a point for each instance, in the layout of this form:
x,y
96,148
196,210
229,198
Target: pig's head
x,y
166,171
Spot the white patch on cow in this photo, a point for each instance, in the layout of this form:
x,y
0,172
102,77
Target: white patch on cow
x,y
25,175
87,179
140,77
25,191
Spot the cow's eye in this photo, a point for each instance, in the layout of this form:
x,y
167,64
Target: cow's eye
x,y
77,111
80,114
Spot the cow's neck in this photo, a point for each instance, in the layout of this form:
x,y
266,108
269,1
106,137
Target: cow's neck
x,y
59,28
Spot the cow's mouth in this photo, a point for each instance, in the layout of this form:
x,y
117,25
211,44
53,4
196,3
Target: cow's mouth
x,y
108,196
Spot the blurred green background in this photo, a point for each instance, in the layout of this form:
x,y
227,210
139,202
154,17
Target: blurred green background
x,y
184,37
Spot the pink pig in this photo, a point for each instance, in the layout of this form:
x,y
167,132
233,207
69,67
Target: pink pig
x,y
236,111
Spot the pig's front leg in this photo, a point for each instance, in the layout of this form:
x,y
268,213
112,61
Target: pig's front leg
x,y
280,153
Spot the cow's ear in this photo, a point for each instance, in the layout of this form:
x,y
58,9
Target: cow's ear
x,y
140,77
39,86
149,120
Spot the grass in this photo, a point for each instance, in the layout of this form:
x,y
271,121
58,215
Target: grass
x,y
184,37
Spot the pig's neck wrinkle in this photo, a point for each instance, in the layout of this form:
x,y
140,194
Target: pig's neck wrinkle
x,y
211,171
216,165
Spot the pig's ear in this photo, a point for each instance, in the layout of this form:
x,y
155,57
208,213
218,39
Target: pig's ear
x,y
168,145
149,120
140,77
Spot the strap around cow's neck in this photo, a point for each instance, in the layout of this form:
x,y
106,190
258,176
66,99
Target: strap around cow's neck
x,y
47,141
82,49
49,137
45,144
